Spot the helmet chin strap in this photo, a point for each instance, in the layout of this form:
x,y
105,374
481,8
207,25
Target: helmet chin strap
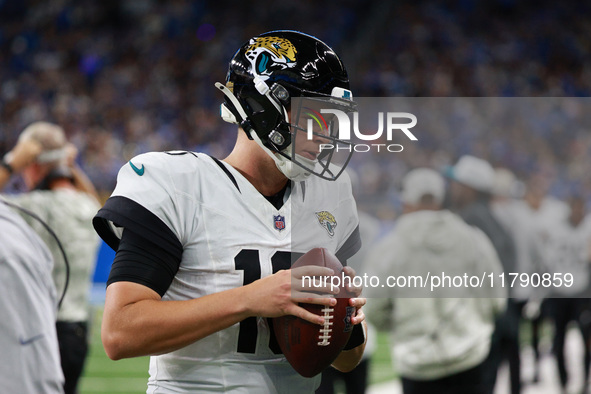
x,y
293,171
290,169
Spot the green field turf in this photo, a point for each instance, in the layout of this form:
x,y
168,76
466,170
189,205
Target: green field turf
x,y
103,375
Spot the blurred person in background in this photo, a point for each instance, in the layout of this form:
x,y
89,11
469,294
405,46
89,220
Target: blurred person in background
x,y
31,359
472,182
439,344
511,210
61,195
568,251
544,213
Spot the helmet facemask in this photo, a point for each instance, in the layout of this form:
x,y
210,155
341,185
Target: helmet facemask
x,y
284,142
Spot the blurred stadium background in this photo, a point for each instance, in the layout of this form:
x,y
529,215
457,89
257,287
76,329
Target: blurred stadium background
x,y
126,77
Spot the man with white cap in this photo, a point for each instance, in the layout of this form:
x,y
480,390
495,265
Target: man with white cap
x,y
439,343
470,193
473,180
519,219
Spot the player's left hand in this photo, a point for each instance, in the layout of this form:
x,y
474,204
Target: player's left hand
x,y
357,301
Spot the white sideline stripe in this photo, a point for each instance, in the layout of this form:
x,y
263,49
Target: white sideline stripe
x,y
391,387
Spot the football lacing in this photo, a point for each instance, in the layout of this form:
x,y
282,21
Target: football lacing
x,y
324,336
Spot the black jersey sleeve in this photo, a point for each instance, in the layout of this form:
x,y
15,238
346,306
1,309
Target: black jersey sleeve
x,y
126,213
148,252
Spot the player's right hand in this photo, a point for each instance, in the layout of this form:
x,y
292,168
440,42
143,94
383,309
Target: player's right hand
x,y
279,294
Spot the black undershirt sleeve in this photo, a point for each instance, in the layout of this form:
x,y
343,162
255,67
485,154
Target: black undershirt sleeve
x,y
357,338
141,261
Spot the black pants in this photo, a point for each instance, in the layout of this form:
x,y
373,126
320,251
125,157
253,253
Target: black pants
x,y
472,381
536,326
563,311
355,381
73,343
505,346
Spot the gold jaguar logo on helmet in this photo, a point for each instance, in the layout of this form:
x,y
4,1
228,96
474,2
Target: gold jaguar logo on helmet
x,y
328,221
270,53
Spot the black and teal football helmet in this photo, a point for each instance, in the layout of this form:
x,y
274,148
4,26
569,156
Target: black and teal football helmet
x,y
265,76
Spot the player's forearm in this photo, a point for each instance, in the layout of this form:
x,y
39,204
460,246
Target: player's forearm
x,y
349,359
136,322
153,326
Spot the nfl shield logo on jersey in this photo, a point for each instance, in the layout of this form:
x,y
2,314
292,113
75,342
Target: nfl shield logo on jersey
x,y
279,222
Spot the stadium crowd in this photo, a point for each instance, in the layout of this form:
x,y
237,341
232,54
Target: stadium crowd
x,y
123,78
128,77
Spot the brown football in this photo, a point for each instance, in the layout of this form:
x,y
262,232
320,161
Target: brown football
x,y
309,347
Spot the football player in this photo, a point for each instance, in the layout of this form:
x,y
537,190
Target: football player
x,y
204,245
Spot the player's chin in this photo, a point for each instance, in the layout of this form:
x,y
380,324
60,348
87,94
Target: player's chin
x,y
309,154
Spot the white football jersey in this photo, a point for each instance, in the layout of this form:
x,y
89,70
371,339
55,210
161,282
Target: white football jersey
x,y
231,235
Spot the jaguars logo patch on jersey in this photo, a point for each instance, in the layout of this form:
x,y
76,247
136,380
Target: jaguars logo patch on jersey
x,y
270,53
327,220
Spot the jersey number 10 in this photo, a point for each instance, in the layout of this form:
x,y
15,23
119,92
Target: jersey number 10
x,y
248,260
